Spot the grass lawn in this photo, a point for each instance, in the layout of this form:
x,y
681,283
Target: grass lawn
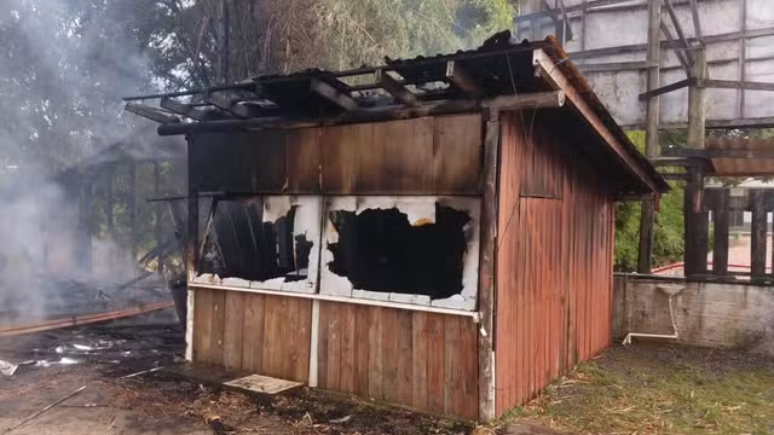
x,y
647,390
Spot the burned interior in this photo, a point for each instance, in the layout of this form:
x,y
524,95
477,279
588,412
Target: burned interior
x,y
245,241
380,250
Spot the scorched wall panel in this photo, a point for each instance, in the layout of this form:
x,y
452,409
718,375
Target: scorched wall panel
x,y
432,155
554,262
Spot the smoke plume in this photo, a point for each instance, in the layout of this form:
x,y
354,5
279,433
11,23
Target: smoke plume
x,y
64,64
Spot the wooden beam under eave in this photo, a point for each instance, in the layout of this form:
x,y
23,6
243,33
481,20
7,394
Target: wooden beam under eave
x,y
333,95
459,76
181,108
395,88
548,70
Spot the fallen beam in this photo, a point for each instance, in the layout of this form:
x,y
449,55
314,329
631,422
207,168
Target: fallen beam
x,y
86,319
538,100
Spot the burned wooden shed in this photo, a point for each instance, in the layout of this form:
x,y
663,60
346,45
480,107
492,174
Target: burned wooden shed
x,y
435,232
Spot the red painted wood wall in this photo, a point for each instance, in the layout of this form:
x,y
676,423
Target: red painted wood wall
x,y
554,261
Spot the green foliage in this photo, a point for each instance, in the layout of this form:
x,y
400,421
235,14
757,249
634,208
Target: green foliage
x,y
668,240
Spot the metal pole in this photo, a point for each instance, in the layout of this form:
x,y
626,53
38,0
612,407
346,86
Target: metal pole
x,y
651,132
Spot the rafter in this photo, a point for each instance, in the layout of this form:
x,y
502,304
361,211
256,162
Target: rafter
x,y
333,95
395,88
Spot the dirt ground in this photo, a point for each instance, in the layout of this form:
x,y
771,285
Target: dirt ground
x,y
640,389
160,403
661,390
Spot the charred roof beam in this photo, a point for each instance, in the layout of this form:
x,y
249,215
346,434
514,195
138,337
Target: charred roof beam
x,y
335,96
461,78
395,88
186,110
151,113
525,101
232,106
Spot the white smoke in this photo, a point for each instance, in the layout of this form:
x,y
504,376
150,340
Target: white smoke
x,y
64,64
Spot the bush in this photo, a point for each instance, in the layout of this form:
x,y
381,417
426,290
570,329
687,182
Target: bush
x,y
668,240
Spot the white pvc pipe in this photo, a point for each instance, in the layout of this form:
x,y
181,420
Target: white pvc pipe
x,y
673,336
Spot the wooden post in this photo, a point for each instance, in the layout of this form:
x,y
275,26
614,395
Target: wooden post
x,y
87,196
132,207
192,240
158,212
645,256
487,284
696,106
758,236
696,225
720,217
109,199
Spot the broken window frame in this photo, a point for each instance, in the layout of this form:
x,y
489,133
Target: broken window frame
x,y
306,211
419,209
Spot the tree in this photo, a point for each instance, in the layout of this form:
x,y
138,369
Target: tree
x,y
668,238
272,36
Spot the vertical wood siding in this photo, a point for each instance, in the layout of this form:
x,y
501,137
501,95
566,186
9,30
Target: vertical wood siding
x,y
422,360
253,333
433,155
554,263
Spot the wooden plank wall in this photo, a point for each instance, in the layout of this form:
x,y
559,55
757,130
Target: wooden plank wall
x,y
422,360
554,263
254,333
433,155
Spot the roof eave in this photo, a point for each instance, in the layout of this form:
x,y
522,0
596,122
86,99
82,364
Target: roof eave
x,y
561,75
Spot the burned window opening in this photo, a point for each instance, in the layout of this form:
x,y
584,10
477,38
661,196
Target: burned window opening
x,y
380,250
242,245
